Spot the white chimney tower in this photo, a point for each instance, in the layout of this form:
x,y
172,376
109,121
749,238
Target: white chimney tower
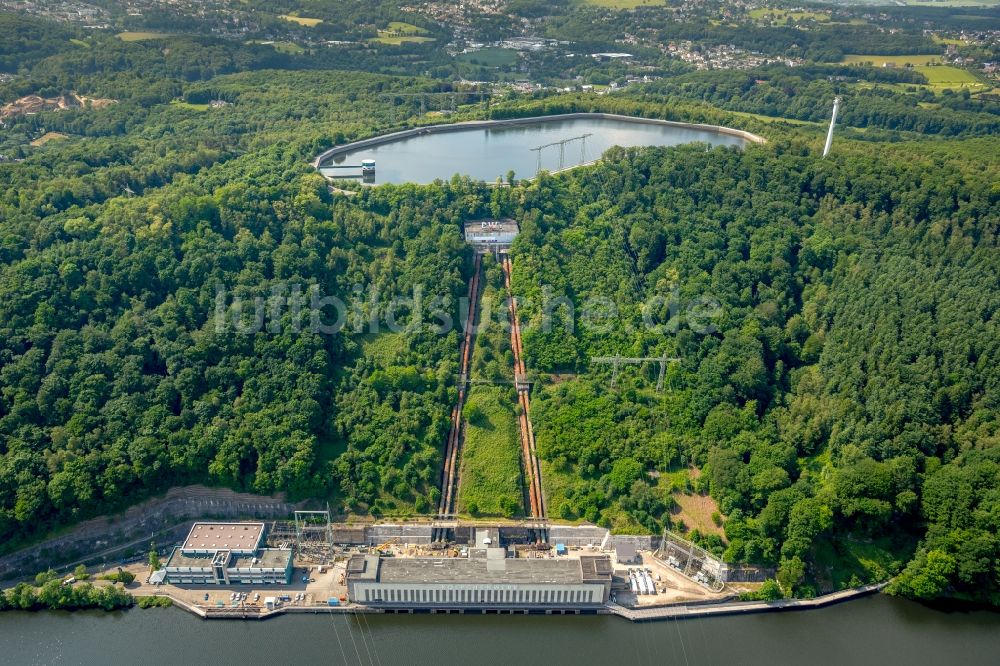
x,y
833,121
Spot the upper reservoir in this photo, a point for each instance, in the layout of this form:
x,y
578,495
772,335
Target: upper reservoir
x,y
489,149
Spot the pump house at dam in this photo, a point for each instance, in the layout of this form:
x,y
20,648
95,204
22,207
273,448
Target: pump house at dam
x,y
485,579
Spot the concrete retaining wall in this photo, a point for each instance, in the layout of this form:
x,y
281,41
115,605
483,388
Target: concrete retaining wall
x,y
166,517
646,542
670,612
379,534
579,536
677,611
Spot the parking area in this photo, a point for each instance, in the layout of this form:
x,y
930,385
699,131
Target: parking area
x,y
316,589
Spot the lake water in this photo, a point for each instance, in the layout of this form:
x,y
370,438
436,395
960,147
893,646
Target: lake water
x,y
486,153
875,630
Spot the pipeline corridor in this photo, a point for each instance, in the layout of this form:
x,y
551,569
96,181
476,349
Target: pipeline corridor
x,y
531,469
529,455
450,472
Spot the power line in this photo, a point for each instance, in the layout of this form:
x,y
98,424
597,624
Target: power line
x,y
582,138
617,361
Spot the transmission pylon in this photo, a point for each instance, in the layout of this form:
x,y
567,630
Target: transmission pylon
x,y
562,150
618,360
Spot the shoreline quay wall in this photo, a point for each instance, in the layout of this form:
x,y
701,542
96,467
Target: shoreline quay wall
x,y
667,612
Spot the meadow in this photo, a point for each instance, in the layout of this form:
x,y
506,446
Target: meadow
x,y
130,36
48,136
897,60
491,457
397,33
782,15
946,76
301,20
624,4
490,57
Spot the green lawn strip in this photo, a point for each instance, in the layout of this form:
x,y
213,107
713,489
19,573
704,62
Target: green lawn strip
x,y
491,457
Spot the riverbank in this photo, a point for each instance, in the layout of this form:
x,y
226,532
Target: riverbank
x,y
381,139
679,611
875,630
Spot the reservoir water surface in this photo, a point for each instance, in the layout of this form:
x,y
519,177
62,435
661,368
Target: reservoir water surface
x,y
485,153
875,630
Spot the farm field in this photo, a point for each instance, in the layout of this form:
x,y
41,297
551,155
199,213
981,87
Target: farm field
x,y
946,40
782,15
952,3
48,136
946,76
491,458
282,47
773,119
180,104
897,60
129,36
301,20
398,33
490,57
404,28
401,39
624,4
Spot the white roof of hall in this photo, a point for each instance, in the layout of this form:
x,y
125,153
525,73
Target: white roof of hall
x,y
237,537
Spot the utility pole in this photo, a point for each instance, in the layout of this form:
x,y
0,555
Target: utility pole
x,y
833,121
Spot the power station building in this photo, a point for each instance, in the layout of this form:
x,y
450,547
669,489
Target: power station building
x,y
228,554
485,579
491,235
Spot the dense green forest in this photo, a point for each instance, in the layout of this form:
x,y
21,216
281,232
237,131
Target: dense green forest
x,y
117,380
804,93
836,319
843,390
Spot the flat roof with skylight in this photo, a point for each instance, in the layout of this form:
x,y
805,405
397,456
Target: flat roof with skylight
x,y
213,537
